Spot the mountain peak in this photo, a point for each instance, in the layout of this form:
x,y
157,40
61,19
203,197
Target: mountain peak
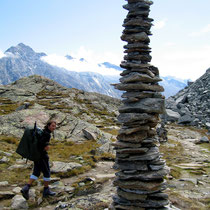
x,y
69,57
19,49
21,45
24,51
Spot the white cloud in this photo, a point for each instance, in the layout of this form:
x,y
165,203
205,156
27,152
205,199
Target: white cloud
x,y
160,24
8,54
97,58
89,65
170,44
202,31
182,63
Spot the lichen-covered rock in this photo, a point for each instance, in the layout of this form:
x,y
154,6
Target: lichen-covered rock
x,y
61,167
18,202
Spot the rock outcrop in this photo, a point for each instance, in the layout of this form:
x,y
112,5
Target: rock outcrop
x,y
191,105
36,98
140,180
86,128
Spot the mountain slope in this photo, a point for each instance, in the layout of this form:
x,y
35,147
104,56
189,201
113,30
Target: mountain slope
x,y
172,85
191,105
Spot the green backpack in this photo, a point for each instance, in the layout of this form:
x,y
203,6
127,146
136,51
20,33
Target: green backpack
x,y
28,146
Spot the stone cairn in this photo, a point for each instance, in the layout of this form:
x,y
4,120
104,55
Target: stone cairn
x,y
140,179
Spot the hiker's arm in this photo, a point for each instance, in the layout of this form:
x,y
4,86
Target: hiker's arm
x,y
44,141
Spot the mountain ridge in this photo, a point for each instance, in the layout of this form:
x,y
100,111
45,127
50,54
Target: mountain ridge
x,y
22,60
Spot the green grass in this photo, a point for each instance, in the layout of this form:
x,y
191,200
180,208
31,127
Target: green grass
x,y
70,151
64,150
7,106
89,186
206,202
205,145
114,132
45,94
83,153
183,202
172,154
10,140
16,176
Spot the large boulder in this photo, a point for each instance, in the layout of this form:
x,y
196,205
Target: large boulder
x,y
185,119
171,115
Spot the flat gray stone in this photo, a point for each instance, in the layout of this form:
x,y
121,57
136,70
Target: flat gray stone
x,y
151,154
148,105
134,137
136,22
127,64
142,94
145,176
132,117
151,204
64,167
185,119
132,151
131,165
138,77
133,130
121,145
140,37
138,185
140,86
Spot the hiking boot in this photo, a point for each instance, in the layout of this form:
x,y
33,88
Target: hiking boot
x,y
25,191
48,192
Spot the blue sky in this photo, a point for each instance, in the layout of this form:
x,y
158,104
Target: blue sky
x,y
92,29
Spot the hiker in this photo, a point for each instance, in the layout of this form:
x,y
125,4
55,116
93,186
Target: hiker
x,y
42,165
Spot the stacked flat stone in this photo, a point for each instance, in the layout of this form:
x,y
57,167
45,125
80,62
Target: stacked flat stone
x,y
140,179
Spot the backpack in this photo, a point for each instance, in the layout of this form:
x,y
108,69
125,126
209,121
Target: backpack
x,y
28,146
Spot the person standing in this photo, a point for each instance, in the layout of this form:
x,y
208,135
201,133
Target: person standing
x,y
42,165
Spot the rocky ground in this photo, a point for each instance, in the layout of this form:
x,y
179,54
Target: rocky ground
x,y
188,160
188,179
81,153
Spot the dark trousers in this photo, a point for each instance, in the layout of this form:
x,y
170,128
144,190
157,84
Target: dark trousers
x,y
42,166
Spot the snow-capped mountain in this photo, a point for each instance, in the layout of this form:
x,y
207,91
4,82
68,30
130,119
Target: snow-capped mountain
x,y
21,61
172,85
